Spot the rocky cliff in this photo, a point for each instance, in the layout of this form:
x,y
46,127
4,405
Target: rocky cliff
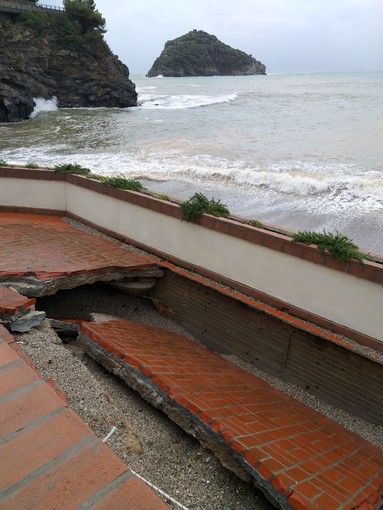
x,y
46,55
200,54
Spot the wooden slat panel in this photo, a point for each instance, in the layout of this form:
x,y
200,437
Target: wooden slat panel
x,y
334,374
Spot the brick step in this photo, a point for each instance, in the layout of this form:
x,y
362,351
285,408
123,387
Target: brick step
x,y
298,457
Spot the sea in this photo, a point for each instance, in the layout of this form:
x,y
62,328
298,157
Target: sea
x,y
300,151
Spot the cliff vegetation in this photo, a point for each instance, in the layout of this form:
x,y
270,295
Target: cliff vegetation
x,y
198,53
46,53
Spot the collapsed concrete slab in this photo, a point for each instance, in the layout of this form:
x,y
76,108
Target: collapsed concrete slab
x,y
52,255
291,452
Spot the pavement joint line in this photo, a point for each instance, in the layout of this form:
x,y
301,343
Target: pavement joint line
x,y
32,425
293,436
21,391
83,443
354,496
312,477
107,489
12,364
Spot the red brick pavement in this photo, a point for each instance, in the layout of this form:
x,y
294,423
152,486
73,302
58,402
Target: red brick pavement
x,y
50,459
46,247
303,459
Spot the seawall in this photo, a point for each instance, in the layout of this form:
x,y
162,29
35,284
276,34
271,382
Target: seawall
x,y
295,278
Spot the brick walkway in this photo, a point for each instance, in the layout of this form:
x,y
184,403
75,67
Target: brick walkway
x,y
50,459
301,458
51,254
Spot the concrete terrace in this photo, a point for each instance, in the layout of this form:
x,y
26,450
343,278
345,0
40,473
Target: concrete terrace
x,y
298,457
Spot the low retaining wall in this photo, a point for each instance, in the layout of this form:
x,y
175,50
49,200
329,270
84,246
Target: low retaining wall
x,y
317,362
344,297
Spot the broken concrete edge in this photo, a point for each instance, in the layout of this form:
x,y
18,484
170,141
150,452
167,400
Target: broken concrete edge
x,y
190,423
65,325
32,286
16,314
26,286
26,322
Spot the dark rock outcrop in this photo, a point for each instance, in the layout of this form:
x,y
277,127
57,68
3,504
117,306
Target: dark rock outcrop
x,y
42,55
200,54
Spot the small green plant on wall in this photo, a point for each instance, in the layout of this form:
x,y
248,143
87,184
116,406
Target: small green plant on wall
x,y
162,197
122,182
341,247
31,165
199,204
255,223
3,162
71,168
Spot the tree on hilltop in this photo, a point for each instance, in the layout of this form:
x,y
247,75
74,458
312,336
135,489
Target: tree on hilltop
x,y
84,12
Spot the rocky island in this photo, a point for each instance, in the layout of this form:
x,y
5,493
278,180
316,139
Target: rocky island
x,y
198,53
58,53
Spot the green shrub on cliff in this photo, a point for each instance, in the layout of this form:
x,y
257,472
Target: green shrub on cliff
x,y
84,12
36,21
341,247
199,204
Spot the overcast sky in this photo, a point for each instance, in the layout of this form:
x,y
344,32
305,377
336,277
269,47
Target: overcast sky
x,y
286,35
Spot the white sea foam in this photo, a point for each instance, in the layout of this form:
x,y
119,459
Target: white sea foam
x,y
179,102
150,87
44,105
332,187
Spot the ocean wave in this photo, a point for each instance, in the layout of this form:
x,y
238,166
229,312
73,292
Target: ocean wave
x,y
149,87
44,105
335,188
327,188
178,102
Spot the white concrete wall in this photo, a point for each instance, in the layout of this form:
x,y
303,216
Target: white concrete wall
x,y
33,193
353,302
336,296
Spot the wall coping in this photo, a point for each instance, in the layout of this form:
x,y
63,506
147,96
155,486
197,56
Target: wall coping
x,y
233,226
